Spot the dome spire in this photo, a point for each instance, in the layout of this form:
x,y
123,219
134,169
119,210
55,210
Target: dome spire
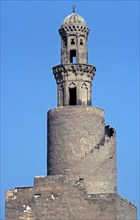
x,y
73,8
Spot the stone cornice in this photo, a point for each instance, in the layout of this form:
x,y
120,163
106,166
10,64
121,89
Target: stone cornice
x,y
73,29
75,68
78,69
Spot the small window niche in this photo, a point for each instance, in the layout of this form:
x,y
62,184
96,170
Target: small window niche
x,y
81,41
72,96
72,56
72,41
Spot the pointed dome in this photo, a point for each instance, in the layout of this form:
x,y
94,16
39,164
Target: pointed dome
x,y
74,19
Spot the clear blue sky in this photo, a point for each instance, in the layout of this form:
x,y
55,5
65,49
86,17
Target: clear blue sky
x,y
30,47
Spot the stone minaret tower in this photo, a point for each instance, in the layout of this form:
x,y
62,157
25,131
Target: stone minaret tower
x,y
74,75
81,182
79,143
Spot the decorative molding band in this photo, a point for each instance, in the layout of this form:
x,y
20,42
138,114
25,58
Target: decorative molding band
x,y
73,29
66,69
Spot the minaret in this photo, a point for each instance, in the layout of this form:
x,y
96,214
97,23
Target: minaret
x,y
80,145
74,75
81,154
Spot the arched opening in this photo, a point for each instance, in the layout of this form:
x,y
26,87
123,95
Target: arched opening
x,y
72,96
72,56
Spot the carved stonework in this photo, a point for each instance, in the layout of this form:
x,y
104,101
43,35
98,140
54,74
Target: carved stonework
x,y
73,29
61,72
74,68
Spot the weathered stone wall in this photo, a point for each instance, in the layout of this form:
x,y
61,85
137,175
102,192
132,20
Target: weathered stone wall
x,y
58,198
81,149
125,209
80,146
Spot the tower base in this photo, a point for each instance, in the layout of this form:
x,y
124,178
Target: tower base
x,y
59,198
